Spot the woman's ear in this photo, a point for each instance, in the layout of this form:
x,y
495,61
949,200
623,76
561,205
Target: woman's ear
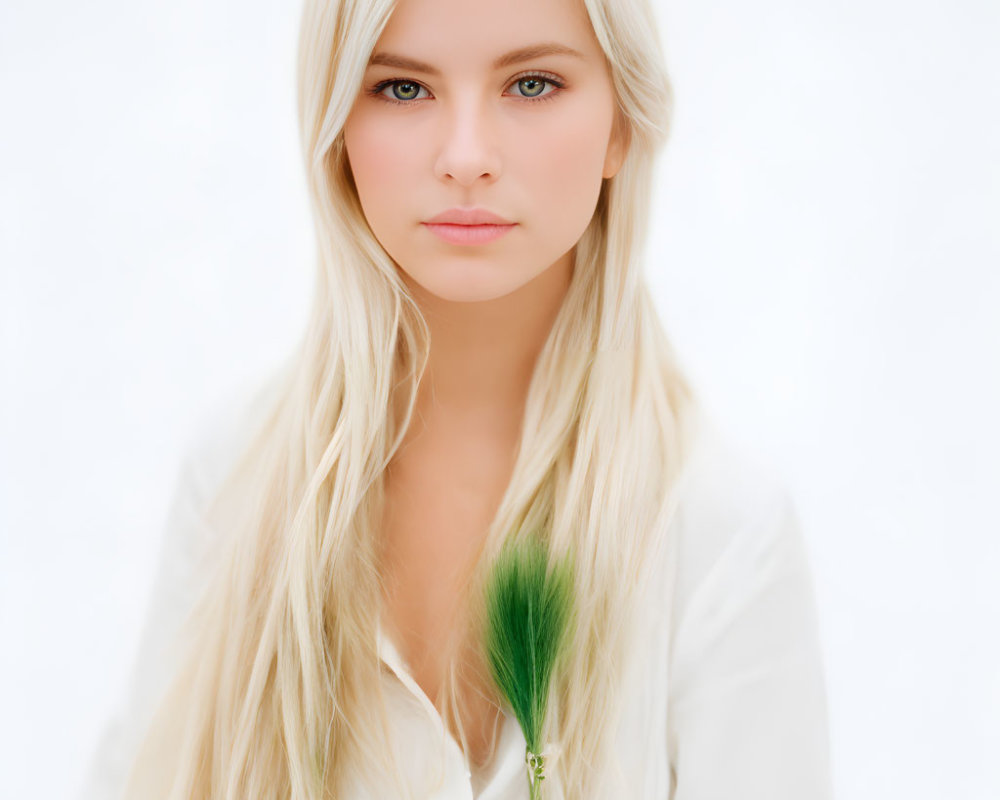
x,y
618,144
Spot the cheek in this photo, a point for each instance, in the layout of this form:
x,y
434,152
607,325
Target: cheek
x,y
566,163
378,165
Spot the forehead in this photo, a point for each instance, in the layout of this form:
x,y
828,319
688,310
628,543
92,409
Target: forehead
x,y
478,33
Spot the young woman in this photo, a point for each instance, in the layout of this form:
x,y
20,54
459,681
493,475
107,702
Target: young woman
x,y
482,358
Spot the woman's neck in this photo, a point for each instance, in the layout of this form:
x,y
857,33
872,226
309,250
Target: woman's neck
x,y
483,353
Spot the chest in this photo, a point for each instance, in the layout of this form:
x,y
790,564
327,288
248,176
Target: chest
x,y
436,516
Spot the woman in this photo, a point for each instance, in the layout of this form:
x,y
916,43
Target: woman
x,y
482,358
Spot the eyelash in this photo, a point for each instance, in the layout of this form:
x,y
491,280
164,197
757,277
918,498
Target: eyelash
x,y
377,89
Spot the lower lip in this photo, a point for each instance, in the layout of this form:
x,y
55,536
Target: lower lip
x,y
468,234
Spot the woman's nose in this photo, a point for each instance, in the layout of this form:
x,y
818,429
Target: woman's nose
x,y
469,148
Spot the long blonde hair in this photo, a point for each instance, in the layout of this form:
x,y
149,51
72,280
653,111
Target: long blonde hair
x,y
279,696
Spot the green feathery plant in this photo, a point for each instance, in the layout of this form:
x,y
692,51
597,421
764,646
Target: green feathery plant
x,y
529,608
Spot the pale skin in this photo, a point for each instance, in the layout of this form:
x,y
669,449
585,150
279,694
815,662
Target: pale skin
x,y
474,135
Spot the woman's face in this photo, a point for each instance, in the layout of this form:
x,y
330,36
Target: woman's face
x,y
469,123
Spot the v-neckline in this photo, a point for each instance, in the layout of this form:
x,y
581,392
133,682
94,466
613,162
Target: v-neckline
x,y
508,755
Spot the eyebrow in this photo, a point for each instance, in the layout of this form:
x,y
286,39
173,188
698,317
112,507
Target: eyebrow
x,y
513,57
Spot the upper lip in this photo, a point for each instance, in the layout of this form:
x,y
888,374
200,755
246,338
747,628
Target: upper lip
x,y
469,216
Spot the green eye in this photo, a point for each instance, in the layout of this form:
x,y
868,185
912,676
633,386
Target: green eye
x,y
532,87
405,90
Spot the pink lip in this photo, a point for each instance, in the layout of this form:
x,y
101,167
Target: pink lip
x,y
468,234
469,216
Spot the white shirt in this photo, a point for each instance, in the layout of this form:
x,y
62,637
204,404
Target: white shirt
x,y
726,698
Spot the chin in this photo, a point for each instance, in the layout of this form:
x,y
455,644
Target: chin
x,y
461,283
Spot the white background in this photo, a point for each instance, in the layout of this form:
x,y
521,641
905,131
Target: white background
x,y
825,252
